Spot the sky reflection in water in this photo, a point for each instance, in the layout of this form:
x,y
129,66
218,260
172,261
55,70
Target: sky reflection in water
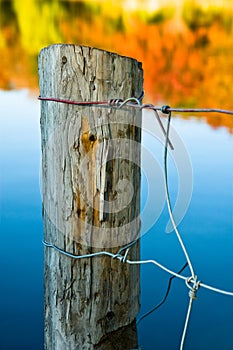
x,y
206,228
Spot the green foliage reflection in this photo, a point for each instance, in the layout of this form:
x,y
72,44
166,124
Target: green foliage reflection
x,y
38,23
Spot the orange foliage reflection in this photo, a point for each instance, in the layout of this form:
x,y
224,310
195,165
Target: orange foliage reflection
x,y
187,60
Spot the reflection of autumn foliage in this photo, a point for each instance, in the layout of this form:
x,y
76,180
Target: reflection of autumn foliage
x,y
185,64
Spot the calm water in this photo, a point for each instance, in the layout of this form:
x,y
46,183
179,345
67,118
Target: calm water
x,y
206,228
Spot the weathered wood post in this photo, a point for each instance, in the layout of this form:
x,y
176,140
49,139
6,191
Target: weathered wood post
x,y
91,197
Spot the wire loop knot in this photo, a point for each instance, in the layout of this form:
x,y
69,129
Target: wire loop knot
x,y
115,102
122,258
194,287
133,100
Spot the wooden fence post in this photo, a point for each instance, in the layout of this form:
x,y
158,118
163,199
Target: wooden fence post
x,y
91,197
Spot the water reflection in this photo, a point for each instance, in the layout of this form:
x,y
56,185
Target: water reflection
x,y
187,59
186,48
207,234
206,229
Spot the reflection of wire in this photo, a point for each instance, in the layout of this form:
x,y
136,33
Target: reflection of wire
x,y
165,296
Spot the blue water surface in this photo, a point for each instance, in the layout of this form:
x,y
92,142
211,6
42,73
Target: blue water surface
x,y
21,253
206,230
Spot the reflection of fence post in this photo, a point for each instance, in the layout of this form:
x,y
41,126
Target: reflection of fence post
x,y
90,303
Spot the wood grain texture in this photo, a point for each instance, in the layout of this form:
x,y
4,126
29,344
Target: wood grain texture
x,y
91,197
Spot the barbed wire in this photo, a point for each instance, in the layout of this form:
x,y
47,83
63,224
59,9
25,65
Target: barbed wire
x,y
191,282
